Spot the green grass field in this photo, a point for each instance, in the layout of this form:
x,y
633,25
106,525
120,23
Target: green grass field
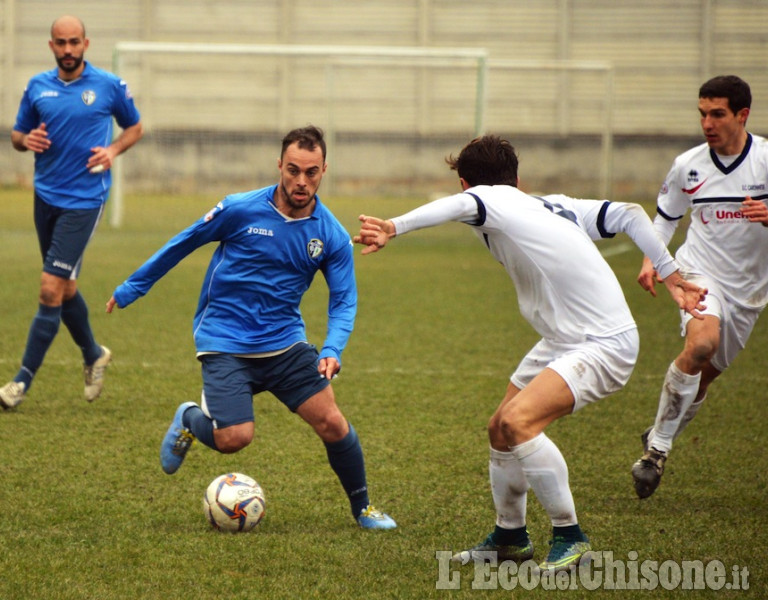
x,y
88,514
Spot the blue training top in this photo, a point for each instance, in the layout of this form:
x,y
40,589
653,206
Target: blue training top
x,y
264,264
78,116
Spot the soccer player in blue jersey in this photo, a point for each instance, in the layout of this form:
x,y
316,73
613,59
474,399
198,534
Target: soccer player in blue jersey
x,y
248,330
65,119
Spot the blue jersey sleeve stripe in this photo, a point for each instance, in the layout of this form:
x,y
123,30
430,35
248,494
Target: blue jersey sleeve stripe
x,y
481,212
666,216
601,221
715,200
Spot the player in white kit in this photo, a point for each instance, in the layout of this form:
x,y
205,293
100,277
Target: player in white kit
x,y
724,182
569,294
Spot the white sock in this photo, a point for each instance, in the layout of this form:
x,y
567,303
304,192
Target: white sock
x,y
677,394
690,413
509,488
547,473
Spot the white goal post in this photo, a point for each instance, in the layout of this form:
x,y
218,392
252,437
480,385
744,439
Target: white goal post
x,y
212,113
333,57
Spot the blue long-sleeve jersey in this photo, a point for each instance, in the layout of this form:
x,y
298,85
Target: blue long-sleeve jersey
x,y
265,262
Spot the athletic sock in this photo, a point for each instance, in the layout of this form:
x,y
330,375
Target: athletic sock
x,y
510,537
546,471
689,414
571,533
346,459
509,489
200,425
42,331
74,314
677,394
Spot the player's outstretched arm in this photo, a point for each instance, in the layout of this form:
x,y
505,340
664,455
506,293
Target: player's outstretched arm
x,y
374,233
688,296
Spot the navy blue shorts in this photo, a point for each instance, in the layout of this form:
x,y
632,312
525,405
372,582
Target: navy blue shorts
x,y
63,234
230,382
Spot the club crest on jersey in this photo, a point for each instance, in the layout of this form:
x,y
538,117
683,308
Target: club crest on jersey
x,y
89,97
314,248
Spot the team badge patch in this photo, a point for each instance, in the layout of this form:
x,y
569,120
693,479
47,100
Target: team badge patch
x,y
89,97
314,248
212,213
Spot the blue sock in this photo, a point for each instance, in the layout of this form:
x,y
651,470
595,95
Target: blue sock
x,y
43,330
201,426
346,459
74,314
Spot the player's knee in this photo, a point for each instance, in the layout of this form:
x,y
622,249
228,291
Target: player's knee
x,y
496,434
514,425
233,439
700,351
331,426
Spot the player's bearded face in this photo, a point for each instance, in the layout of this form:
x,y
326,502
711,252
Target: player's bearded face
x,y
68,43
301,172
69,63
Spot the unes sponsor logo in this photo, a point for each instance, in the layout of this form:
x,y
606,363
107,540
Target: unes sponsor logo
x,y
753,187
710,214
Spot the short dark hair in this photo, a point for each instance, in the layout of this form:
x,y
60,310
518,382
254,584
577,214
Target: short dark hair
x,y
486,160
735,89
308,138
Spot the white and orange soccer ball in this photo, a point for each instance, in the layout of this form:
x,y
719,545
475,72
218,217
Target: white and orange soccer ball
x,y
234,502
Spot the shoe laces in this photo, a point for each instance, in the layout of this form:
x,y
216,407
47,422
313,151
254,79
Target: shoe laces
x,y
16,388
371,512
94,373
654,459
560,545
14,391
184,440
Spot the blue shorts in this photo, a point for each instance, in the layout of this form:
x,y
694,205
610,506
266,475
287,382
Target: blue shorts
x,y
230,382
63,235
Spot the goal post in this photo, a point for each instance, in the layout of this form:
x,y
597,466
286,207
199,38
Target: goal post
x,y
212,114
263,88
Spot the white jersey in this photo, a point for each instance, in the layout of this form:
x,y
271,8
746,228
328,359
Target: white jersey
x,y
565,289
602,219
720,243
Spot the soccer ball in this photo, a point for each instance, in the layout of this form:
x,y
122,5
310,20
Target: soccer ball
x,y
234,502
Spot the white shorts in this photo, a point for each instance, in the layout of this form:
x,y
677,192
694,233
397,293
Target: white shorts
x,y
593,369
736,322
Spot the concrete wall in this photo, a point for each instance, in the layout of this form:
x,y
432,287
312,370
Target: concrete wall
x,y
212,123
